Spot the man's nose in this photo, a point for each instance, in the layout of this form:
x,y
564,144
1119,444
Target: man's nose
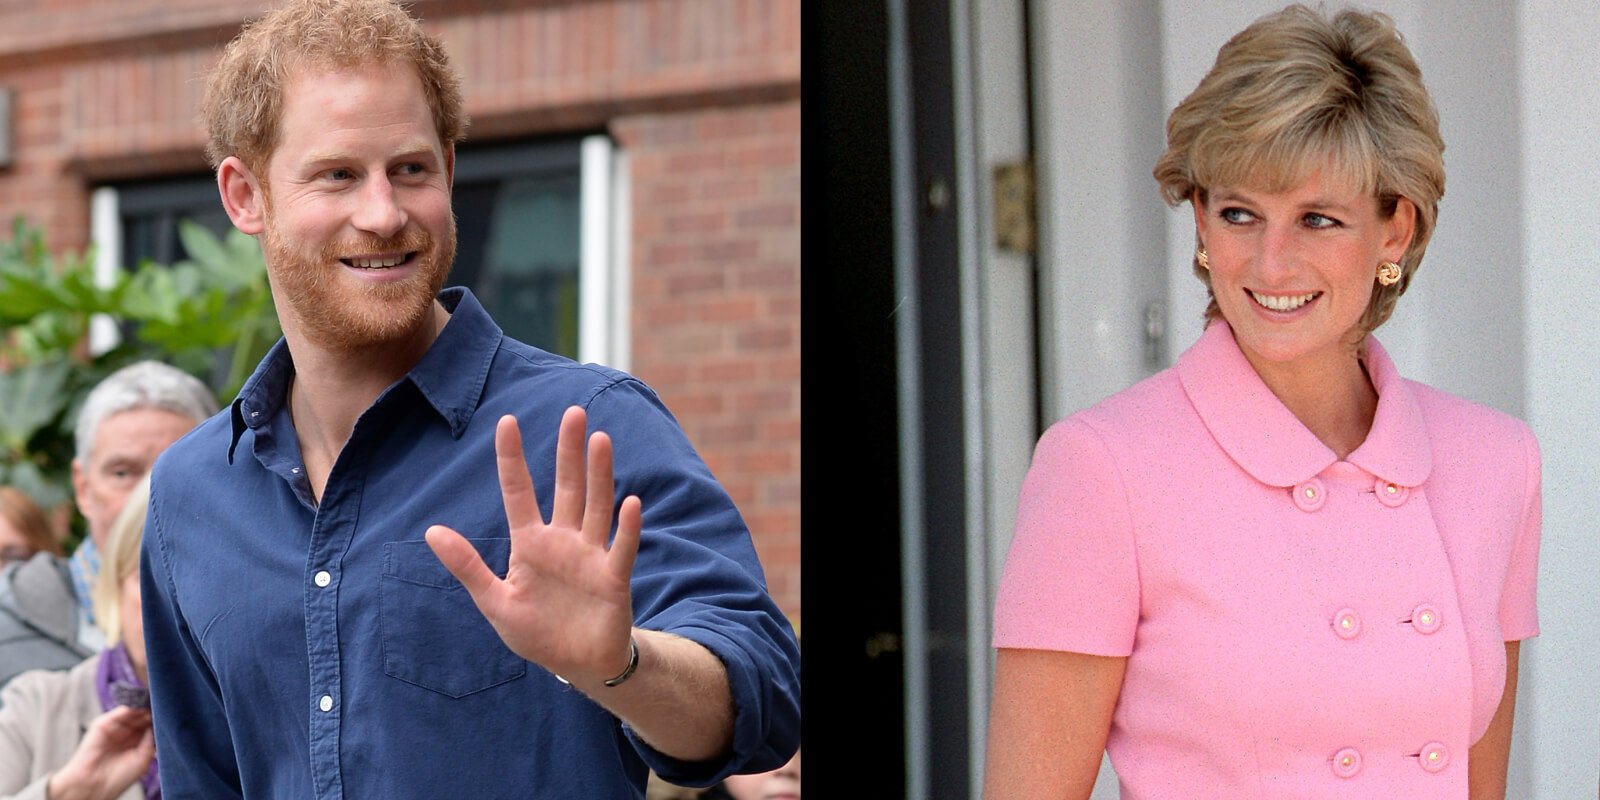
x,y
380,213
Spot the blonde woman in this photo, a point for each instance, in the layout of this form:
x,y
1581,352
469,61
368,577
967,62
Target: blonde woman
x,y
1278,569
85,733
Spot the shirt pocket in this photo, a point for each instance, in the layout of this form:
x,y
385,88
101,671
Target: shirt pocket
x,y
433,635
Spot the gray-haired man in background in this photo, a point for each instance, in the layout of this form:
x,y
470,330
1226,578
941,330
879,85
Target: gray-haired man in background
x,y
127,420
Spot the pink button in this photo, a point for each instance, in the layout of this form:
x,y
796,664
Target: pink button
x,y
1425,618
1309,496
1347,762
1434,756
1392,495
1347,623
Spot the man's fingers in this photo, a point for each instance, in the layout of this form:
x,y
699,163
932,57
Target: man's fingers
x,y
567,510
626,546
516,485
462,559
602,492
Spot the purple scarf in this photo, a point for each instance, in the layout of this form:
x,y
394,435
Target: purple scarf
x,y
118,685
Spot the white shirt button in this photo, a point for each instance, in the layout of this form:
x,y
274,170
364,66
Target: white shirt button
x,y
323,578
326,703
295,470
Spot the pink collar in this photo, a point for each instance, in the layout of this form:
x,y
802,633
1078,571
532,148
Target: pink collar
x,y
1264,438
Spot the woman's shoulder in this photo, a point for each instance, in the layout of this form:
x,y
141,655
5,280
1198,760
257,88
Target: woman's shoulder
x,y
1144,414
1453,418
1151,399
1474,444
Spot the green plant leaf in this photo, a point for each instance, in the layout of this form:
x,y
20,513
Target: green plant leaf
x,y
31,396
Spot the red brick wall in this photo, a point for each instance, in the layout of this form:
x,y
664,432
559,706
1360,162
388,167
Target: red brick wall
x,y
716,307
702,95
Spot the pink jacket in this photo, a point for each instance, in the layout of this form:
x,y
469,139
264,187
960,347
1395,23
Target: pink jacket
x,y
1295,625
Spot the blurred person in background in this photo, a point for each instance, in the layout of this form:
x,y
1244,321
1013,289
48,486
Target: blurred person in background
x,y
39,615
86,733
24,529
782,783
46,612
126,421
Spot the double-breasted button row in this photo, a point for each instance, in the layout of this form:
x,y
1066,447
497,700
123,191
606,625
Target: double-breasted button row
x,y
1425,618
1433,757
1310,495
1347,623
1392,495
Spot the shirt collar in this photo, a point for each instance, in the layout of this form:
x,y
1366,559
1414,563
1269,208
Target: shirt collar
x,y
450,375
1264,438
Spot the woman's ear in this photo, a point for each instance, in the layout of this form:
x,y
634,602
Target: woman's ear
x,y
1401,229
242,196
1199,207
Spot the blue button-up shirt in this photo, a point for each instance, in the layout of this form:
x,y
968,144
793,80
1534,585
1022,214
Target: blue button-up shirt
x,y
301,650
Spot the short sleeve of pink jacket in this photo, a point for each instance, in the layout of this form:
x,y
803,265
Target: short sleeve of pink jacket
x,y
1295,624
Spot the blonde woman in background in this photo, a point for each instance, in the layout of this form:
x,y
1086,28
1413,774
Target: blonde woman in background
x,y
85,733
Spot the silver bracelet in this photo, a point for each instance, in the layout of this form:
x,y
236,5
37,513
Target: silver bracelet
x,y
633,664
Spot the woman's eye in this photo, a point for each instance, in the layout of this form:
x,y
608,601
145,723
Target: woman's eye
x,y
1320,221
1237,216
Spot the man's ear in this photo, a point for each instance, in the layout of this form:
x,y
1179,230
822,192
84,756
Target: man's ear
x,y
242,196
450,165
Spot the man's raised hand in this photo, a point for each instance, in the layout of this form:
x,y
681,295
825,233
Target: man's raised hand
x,y
565,602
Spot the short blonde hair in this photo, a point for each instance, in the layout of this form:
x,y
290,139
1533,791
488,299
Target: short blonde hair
x,y
1297,91
119,559
243,102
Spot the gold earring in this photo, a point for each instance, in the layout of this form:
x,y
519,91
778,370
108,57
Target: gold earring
x,y
1388,273
1202,259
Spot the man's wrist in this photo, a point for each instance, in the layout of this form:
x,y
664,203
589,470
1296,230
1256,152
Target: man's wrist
x,y
633,664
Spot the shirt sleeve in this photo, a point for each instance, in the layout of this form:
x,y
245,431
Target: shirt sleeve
x,y
697,576
193,744
1071,579
1519,615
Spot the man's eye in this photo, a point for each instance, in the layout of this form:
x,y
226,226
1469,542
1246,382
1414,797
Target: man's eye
x,y
340,174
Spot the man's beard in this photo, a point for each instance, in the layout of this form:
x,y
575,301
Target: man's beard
x,y
339,313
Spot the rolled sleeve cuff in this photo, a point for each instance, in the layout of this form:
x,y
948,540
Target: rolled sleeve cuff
x,y
757,697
